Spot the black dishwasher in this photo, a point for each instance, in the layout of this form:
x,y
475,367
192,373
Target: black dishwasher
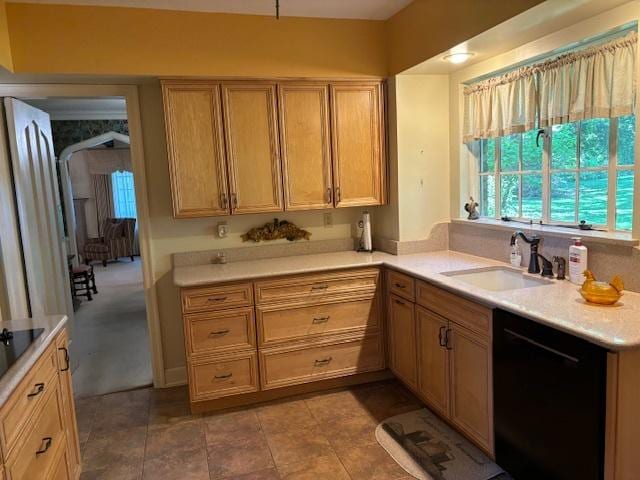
x,y
549,401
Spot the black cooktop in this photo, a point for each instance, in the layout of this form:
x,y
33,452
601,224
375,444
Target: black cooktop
x,y
13,344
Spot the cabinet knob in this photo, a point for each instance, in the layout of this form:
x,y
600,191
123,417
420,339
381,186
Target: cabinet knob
x,y
338,195
329,195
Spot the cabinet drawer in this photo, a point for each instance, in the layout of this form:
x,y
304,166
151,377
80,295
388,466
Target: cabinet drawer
x,y
222,376
283,367
61,468
39,444
312,287
455,308
401,285
27,397
225,330
280,324
216,298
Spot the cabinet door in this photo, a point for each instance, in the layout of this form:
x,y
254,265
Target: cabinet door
x,y
402,340
250,128
195,147
471,385
433,360
306,150
68,406
359,164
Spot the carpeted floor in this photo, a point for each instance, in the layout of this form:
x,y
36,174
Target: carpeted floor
x,y
110,347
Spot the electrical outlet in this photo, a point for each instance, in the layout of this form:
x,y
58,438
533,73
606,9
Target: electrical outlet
x,y
223,229
328,220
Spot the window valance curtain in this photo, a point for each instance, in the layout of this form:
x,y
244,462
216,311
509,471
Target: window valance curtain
x,y
595,82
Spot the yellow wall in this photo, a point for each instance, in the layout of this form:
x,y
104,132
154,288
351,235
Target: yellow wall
x,y
423,153
463,182
5,46
428,27
126,41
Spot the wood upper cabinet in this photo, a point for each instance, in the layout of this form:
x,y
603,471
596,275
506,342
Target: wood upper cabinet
x,y
433,360
305,145
358,149
471,385
195,144
402,340
253,158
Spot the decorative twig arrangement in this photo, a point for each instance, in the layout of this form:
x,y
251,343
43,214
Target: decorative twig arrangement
x,y
276,230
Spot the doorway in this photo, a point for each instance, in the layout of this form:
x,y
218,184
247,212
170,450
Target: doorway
x,y
109,332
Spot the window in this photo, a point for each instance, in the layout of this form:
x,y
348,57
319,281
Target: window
x,y
565,174
124,197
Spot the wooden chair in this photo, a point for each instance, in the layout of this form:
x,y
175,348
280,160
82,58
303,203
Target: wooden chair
x,y
84,281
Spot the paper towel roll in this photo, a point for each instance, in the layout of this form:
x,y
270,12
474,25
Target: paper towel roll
x,y
366,232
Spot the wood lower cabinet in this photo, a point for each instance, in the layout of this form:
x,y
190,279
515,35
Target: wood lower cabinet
x,y
433,360
302,329
255,146
470,359
305,145
195,145
441,348
359,166
253,152
38,431
402,340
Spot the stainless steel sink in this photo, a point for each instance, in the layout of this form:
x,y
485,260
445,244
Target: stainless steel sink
x,y
497,279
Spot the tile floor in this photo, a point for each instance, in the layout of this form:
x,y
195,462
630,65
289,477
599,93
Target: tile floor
x,y
150,434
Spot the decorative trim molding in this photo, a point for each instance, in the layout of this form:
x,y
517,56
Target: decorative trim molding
x,y
175,377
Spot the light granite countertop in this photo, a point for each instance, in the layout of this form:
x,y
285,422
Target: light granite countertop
x,y
557,304
52,326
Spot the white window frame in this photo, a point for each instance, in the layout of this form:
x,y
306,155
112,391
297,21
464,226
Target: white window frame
x,y
612,169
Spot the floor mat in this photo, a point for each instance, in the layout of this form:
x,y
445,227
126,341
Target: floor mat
x,y
428,449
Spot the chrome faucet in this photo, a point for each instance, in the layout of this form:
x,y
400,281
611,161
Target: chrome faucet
x,y
534,242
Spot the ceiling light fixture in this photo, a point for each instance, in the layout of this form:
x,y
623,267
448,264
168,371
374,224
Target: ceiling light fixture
x,y
458,57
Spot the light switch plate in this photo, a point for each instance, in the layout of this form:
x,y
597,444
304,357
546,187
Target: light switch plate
x,y
328,220
223,229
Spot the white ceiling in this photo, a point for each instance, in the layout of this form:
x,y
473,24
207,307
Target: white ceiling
x,y
104,108
364,9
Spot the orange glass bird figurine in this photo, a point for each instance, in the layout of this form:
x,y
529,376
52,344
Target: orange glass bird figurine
x,y
601,293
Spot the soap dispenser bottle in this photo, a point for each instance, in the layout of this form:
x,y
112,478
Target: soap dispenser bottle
x,y
577,261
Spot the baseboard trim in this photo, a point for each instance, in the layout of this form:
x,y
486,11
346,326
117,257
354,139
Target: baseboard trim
x,y
277,393
175,377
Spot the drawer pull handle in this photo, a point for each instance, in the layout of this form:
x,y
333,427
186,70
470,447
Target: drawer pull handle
x,y
219,333
319,287
223,376
66,359
441,336
216,299
46,444
324,361
399,285
39,388
318,320
399,302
